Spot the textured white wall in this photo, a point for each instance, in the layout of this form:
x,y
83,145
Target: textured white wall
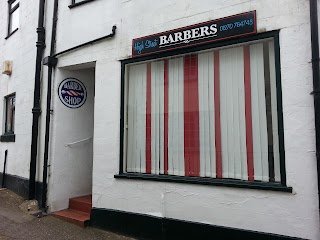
x,y
19,48
275,212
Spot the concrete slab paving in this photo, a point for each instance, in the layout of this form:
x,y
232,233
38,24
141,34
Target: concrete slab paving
x,y
14,224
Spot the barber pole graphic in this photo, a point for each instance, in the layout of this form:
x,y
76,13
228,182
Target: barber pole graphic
x,y
195,116
72,93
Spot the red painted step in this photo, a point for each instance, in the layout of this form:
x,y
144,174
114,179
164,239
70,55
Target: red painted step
x,y
78,212
73,216
83,204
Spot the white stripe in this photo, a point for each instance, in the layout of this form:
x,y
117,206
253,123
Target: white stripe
x,y
136,118
126,120
242,121
170,119
224,92
255,115
157,129
161,120
239,118
236,81
232,114
230,119
175,118
141,116
211,109
154,121
259,118
135,104
274,112
206,120
136,152
131,118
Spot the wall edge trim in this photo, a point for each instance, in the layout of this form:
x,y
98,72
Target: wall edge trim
x,y
20,185
146,226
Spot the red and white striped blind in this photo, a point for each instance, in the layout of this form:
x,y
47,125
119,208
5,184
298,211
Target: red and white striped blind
x,y
211,114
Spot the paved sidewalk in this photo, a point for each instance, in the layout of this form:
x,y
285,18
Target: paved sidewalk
x,y
15,224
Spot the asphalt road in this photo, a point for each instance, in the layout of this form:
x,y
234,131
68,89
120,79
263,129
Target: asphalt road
x,y
14,224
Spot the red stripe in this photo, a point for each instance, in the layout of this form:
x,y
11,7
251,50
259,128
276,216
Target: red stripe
x,y
166,108
74,93
248,111
217,114
191,116
148,120
70,93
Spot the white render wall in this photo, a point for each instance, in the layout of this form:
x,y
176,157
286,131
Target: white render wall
x,y
266,211
21,49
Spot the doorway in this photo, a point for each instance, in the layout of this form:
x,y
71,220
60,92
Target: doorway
x,y
72,135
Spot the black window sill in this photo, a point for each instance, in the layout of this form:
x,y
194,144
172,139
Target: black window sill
x,y
8,137
11,33
79,3
207,181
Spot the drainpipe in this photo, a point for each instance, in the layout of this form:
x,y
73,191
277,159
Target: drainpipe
x,y
51,63
89,43
36,110
4,168
316,79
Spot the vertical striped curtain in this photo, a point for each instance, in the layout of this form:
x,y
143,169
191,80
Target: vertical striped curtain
x,y
211,114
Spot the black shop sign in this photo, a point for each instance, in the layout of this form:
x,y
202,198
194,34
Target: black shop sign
x,y
224,28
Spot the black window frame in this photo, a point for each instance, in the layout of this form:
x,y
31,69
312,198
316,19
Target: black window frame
x,y
74,4
274,186
9,135
10,12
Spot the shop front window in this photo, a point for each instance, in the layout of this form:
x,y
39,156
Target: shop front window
x,y
211,114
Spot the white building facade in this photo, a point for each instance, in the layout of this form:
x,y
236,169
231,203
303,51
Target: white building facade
x,y
18,54
187,118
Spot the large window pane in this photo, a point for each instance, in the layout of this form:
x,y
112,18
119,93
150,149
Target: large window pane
x,y
208,114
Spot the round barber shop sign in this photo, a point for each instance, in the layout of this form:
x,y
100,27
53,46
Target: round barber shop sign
x,y
72,93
